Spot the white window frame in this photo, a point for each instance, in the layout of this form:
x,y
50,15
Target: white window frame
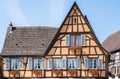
x,y
57,63
39,63
93,63
14,64
72,63
75,40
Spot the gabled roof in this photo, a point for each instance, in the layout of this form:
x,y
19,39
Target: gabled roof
x,y
28,40
70,14
112,43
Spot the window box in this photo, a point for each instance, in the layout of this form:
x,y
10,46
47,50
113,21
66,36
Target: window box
x,y
75,47
37,72
57,72
72,72
14,72
94,73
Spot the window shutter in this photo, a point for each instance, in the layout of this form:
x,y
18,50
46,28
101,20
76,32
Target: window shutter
x,y
72,40
86,63
20,63
78,63
7,63
100,63
30,63
82,40
43,63
35,63
64,63
78,40
67,40
50,63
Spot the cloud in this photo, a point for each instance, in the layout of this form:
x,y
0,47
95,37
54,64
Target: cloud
x,y
14,12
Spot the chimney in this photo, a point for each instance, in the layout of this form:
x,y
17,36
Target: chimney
x,y
10,27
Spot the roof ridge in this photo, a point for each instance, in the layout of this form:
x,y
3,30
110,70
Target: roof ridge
x,y
36,26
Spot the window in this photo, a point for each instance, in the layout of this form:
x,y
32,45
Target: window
x,y
118,69
74,20
93,63
57,64
7,63
117,58
39,63
113,70
30,63
75,40
16,64
71,63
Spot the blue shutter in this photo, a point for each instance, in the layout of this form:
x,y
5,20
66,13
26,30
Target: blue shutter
x,y
64,63
78,63
86,63
67,40
30,63
83,40
100,63
7,63
50,63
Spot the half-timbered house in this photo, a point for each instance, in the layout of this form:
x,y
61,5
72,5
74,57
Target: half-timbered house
x,y
111,44
69,52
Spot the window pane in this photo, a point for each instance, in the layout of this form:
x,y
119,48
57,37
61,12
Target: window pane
x,y
113,70
90,63
14,64
71,63
93,63
57,63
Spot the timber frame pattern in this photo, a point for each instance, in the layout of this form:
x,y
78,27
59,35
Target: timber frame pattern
x,y
74,24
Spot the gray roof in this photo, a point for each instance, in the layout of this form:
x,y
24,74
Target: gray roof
x,y
112,43
28,40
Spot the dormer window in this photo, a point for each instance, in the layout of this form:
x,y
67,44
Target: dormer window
x,y
74,20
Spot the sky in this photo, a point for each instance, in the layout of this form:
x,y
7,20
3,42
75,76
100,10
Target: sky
x,y
103,15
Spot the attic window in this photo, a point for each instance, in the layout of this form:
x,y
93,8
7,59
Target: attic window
x,y
74,20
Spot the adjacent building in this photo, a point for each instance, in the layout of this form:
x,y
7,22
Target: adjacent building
x,y
111,44
71,51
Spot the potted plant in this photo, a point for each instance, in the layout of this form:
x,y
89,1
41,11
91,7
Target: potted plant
x,y
37,72
72,71
57,72
95,73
